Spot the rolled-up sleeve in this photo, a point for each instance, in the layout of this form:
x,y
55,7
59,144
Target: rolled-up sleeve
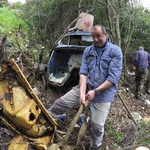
x,y
115,67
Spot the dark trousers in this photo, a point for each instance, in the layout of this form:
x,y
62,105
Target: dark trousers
x,y
141,80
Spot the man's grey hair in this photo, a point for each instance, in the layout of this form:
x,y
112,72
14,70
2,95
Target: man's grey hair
x,y
100,26
141,47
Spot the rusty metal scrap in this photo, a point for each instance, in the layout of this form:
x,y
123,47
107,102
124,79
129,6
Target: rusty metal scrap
x,y
22,111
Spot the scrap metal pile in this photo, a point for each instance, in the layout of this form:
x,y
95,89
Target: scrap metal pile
x,y
21,110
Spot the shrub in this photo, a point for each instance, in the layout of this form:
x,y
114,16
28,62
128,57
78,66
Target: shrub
x,y
10,21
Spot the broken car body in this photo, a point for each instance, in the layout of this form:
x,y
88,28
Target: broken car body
x,y
66,56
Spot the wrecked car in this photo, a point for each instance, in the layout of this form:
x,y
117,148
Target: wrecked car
x,y
66,56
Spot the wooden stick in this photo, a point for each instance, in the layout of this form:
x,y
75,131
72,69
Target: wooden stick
x,y
127,110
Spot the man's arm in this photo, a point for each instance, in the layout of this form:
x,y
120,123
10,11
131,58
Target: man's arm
x,y
104,86
83,86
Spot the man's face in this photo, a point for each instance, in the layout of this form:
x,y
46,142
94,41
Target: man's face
x,y
99,37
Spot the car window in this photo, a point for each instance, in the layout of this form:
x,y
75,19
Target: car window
x,y
75,40
65,40
83,40
87,38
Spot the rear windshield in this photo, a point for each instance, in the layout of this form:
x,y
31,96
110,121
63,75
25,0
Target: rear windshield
x,y
83,40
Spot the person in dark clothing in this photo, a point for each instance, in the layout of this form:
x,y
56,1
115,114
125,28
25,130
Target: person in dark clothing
x,y
141,63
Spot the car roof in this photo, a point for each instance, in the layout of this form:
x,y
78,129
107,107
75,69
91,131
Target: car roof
x,y
78,32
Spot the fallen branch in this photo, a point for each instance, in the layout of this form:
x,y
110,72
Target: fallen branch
x,y
128,110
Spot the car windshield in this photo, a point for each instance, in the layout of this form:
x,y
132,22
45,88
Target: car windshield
x,y
83,40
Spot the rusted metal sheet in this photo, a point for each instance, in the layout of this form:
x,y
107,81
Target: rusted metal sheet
x,y
22,111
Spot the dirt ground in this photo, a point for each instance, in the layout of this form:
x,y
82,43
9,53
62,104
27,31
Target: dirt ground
x,y
120,129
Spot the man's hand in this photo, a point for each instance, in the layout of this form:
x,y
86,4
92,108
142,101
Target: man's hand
x,y
84,100
133,68
90,95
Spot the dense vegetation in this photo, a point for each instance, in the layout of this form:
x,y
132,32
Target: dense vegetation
x,y
32,29
43,22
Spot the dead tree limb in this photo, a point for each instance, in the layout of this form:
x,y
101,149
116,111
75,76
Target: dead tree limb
x,y
128,110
